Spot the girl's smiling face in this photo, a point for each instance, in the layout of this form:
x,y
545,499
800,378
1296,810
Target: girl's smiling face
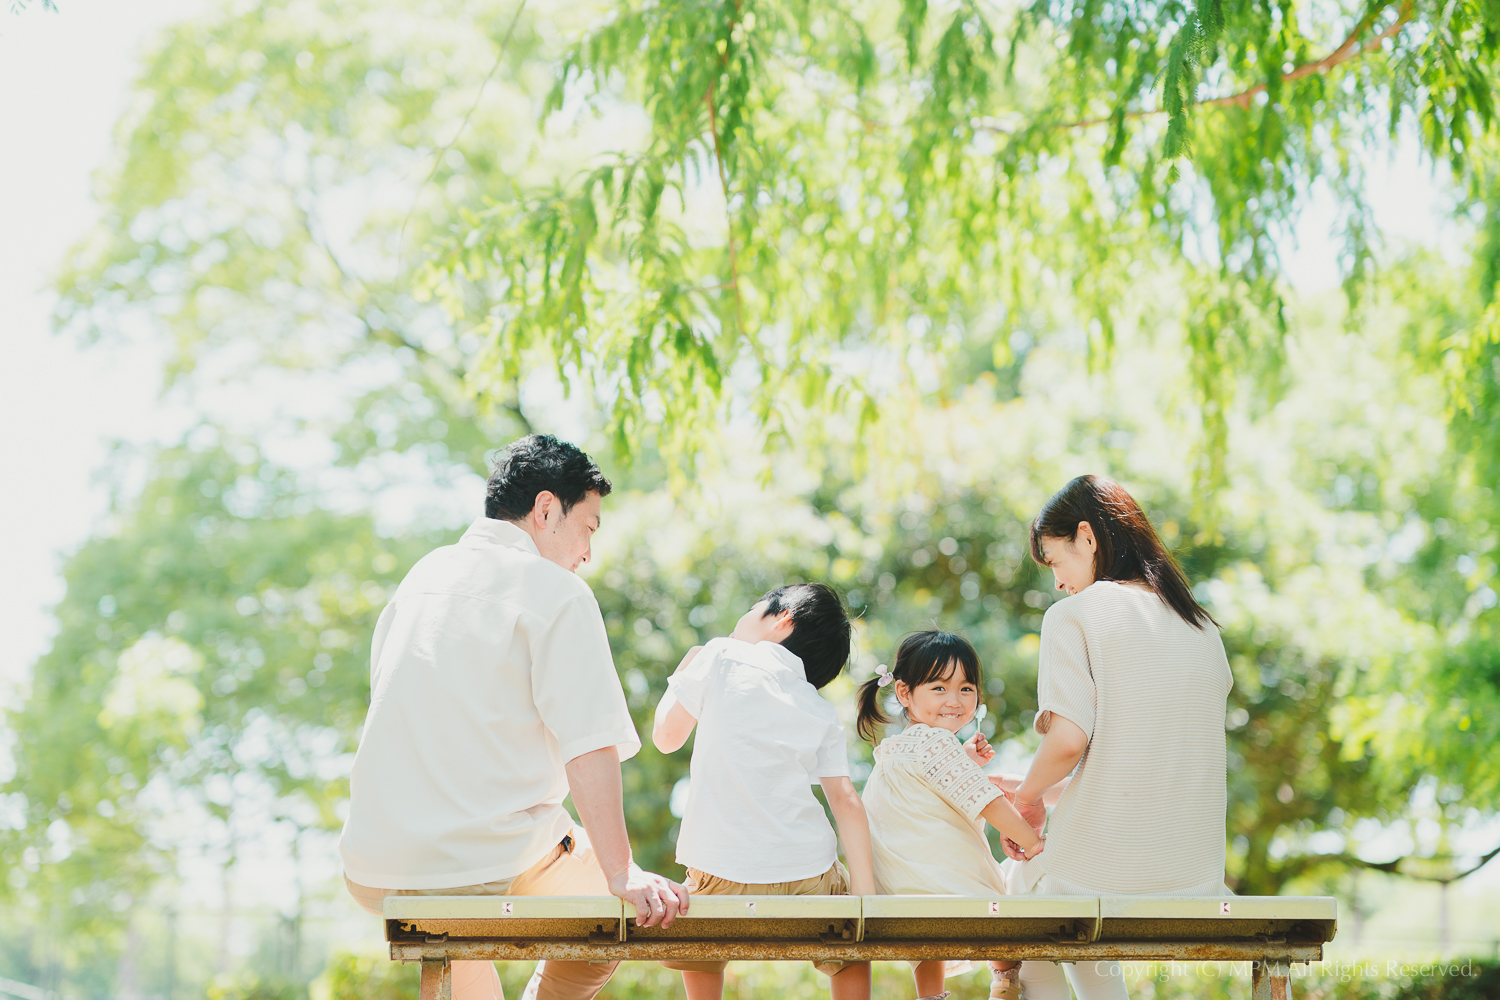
x,y
946,703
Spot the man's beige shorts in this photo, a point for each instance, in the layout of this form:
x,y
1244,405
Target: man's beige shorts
x,y
569,869
833,882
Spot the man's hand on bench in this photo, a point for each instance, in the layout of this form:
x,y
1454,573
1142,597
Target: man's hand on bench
x,y
594,780
657,899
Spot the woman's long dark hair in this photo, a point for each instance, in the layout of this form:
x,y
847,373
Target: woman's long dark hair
x,y
922,657
1129,547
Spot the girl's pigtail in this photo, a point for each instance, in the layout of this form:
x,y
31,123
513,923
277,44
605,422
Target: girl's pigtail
x,y
871,716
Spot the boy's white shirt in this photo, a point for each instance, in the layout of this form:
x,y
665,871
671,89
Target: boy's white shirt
x,y
764,738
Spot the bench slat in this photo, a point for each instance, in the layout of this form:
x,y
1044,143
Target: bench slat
x,y
1199,918
1048,907
790,907
492,907
1248,907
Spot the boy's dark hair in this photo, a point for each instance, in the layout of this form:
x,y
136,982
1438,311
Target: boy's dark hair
x,y
535,463
820,628
922,658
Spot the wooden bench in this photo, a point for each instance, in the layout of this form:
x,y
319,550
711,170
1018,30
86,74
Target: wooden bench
x,y
1271,932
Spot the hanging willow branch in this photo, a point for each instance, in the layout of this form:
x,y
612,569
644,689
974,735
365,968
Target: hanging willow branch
x,y
866,195
1349,49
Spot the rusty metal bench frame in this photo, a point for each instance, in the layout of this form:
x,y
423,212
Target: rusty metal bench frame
x,y
1272,932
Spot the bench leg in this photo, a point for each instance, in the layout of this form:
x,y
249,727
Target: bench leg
x,y
437,979
1271,980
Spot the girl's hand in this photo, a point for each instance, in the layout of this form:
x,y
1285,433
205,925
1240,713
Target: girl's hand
x,y
979,750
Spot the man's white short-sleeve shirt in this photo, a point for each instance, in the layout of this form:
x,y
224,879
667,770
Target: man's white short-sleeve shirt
x,y
764,737
490,670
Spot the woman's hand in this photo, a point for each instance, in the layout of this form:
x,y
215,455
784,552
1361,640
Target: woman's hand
x,y
1034,813
979,750
1014,852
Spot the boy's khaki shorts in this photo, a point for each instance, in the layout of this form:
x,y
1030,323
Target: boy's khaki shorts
x,y
833,882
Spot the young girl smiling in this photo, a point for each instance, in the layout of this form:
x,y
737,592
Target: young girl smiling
x,y
927,798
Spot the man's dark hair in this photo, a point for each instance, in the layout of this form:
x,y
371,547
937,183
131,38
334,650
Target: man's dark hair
x,y
535,463
820,628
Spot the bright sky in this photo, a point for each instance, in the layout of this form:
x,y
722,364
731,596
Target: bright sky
x,y
65,78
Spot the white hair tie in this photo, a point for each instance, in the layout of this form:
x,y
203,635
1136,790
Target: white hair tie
x,y
885,675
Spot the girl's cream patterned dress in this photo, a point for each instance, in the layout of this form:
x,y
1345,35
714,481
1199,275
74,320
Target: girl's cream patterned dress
x,y
924,799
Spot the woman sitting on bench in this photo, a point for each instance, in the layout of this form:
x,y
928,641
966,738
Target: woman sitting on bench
x,y
1131,690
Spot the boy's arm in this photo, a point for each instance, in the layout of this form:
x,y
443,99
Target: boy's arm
x,y
673,723
854,832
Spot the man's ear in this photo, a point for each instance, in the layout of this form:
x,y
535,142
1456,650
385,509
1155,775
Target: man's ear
x,y
543,507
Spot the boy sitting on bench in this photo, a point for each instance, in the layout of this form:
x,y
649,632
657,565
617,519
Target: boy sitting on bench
x,y
752,825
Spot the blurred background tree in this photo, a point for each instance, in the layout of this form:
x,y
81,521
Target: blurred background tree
x,y
855,270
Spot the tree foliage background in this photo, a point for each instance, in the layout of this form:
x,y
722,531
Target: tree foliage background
x,y
837,291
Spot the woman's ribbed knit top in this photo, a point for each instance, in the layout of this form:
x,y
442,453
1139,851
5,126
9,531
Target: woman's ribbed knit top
x,y
1145,811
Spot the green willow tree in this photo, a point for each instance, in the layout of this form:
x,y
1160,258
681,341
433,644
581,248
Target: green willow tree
x,y
897,243
897,179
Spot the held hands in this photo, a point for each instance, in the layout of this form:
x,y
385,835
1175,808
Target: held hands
x,y
1013,849
979,750
1034,813
657,899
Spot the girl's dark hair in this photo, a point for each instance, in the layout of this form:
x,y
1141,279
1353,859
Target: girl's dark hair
x,y
1129,547
922,658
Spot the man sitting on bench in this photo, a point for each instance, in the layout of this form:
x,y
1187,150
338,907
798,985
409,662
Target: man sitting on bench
x,y
494,694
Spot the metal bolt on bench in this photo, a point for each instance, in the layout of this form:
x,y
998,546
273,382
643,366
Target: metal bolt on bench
x,y
1272,932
